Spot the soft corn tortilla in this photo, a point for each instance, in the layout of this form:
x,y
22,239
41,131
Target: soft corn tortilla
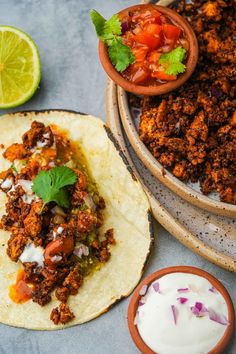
x,y
127,211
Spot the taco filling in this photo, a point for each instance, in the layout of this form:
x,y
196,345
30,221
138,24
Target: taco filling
x,y
54,214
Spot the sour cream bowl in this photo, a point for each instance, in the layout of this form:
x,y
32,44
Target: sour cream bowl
x,y
182,297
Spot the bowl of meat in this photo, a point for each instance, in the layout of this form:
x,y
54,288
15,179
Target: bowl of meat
x,y
187,138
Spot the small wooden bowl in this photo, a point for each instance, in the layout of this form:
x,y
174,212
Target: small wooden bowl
x,y
133,305
162,88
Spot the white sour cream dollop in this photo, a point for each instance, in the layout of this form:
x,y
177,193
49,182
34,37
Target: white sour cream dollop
x,y
168,320
32,253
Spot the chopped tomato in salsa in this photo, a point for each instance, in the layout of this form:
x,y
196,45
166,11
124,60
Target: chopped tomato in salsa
x,y
149,34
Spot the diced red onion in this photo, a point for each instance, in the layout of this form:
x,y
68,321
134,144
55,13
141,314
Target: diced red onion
x,y
78,252
183,290
56,258
143,290
124,27
156,287
213,290
140,303
182,300
175,313
221,319
199,309
81,250
89,202
59,211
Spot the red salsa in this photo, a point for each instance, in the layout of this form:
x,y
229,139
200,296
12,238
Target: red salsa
x,y
149,34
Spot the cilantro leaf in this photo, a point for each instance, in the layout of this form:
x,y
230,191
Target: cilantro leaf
x,y
62,176
172,61
98,22
112,26
110,32
50,185
120,55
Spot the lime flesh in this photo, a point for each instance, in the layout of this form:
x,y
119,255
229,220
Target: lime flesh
x,y
19,67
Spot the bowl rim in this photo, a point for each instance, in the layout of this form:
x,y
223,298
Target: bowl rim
x,y
163,88
180,188
132,308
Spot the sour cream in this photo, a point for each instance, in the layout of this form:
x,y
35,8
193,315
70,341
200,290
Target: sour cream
x,y
181,313
32,253
6,184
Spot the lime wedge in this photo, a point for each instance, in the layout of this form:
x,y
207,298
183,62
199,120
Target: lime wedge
x,y
19,67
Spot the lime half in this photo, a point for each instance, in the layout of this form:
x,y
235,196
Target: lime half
x,y
19,67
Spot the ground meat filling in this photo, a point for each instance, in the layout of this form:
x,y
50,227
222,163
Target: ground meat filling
x,y
192,131
69,238
61,314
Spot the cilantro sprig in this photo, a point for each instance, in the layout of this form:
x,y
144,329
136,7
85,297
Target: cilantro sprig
x,y
51,185
110,32
172,61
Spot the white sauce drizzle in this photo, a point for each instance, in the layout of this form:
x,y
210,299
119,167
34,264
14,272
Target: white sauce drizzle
x,y
6,184
60,230
26,185
32,253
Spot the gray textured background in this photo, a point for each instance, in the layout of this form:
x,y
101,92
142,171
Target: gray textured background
x,y
72,78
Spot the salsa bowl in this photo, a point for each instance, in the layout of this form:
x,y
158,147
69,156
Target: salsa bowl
x,y
163,87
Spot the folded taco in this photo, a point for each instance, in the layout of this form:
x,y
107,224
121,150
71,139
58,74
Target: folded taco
x,y
75,230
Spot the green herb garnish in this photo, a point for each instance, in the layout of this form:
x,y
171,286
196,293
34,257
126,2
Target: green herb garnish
x,y
13,167
110,32
172,61
51,185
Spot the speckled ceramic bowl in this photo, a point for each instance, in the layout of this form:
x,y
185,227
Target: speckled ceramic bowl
x,y
209,235
189,192
133,305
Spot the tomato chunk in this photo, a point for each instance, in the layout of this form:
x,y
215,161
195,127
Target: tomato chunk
x,y
154,56
153,29
139,74
161,75
171,32
58,247
149,35
148,39
140,53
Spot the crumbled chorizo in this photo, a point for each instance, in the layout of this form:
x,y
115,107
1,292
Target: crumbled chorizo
x,y
16,152
86,221
70,285
191,131
16,244
61,314
38,136
33,221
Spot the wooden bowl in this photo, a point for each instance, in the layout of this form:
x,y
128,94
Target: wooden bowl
x,y
133,305
162,88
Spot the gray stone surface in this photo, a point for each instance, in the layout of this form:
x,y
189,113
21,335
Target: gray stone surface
x,y
72,78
